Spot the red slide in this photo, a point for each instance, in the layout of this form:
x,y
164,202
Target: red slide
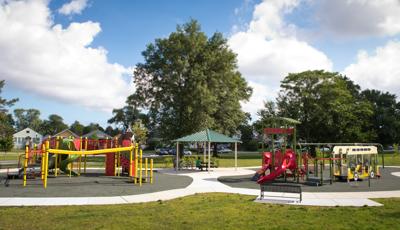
x,y
289,162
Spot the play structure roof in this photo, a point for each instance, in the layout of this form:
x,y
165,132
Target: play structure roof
x,y
207,135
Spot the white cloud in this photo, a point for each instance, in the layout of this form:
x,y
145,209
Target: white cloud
x,y
359,17
379,70
268,50
73,7
55,62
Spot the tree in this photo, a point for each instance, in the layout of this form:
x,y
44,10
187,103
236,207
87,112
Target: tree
x,y
247,136
140,132
189,82
6,132
4,103
325,106
53,125
111,131
270,110
77,128
6,122
386,117
25,118
92,127
125,116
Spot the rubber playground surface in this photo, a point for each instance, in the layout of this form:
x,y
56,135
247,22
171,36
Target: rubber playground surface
x,y
93,184
388,182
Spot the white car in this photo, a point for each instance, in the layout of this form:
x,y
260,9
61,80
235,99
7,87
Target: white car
x,y
225,150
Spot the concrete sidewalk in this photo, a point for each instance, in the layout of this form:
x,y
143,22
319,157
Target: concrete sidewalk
x,y
206,182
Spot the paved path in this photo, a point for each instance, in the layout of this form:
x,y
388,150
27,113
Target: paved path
x,y
205,182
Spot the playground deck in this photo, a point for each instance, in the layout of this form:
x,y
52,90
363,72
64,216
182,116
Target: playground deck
x,y
388,182
93,184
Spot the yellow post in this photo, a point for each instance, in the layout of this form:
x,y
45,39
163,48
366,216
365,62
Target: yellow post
x,y
84,162
151,171
46,167
135,176
145,169
26,163
42,162
57,142
70,166
55,165
130,162
141,167
80,158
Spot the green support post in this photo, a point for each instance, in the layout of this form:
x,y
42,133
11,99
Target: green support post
x,y
322,174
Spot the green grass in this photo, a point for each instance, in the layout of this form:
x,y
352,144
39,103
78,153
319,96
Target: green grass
x,y
12,155
203,211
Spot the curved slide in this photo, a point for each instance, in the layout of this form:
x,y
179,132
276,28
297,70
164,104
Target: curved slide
x,y
64,164
289,162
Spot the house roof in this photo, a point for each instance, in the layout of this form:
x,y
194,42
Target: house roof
x,y
66,131
98,133
27,131
207,135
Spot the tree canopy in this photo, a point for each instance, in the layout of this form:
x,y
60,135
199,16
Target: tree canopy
x,y
386,118
328,106
25,118
6,122
189,82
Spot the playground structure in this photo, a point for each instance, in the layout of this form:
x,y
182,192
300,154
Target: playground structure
x,y
355,162
306,161
63,155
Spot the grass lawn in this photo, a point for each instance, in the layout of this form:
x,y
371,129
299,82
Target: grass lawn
x,y
203,211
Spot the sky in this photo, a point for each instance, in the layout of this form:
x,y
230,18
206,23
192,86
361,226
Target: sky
x,y
75,58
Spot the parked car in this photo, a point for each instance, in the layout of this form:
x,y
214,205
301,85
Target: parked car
x,y
163,151
224,150
185,152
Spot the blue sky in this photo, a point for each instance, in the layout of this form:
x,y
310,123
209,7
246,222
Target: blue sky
x,y
74,58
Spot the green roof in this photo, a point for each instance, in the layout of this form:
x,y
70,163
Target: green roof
x,y
207,136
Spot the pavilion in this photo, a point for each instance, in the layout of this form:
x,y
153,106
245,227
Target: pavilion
x,y
207,137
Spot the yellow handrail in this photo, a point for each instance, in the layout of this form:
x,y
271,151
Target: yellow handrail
x,y
90,152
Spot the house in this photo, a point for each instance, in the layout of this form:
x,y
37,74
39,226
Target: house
x,y
26,136
65,134
97,134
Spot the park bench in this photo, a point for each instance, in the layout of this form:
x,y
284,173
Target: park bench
x,y
204,165
280,187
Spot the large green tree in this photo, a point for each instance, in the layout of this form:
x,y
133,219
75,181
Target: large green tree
x,y
386,117
27,118
77,128
53,125
6,121
127,115
4,103
189,82
91,127
326,105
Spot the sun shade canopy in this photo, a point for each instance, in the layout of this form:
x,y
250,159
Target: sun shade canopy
x,y
207,135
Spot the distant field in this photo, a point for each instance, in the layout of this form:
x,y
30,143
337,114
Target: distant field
x,y
245,159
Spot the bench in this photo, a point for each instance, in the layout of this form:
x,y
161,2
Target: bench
x,y
280,187
204,165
